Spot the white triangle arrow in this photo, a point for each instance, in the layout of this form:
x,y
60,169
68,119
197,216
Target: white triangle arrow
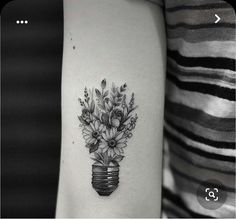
x,y
217,19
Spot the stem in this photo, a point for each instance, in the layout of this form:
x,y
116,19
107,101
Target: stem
x,y
106,158
131,110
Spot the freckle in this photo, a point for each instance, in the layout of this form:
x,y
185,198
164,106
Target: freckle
x,y
73,142
73,47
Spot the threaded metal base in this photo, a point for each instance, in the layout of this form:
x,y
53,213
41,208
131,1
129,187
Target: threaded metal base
x,y
105,179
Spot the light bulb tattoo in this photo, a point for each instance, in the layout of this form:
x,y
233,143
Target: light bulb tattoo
x,y
107,120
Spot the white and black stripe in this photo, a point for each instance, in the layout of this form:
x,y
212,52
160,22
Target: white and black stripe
x,y
199,106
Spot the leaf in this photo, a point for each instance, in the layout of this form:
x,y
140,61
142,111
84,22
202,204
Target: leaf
x,y
118,158
98,161
87,100
121,127
85,92
123,87
116,104
125,119
115,162
87,145
106,100
92,106
105,118
113,89
98,93
106,93
101,106
102,157
93,147
103,83
125,110
97,113
97,156
82,120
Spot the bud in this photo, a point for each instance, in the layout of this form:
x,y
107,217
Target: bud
x,y
103,83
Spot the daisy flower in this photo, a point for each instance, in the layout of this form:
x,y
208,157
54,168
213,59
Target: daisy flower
x,y
113,142
92,133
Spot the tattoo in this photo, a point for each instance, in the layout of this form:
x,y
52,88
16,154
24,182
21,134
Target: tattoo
x,y
107,122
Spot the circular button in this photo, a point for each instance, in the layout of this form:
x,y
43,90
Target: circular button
x,y
211,194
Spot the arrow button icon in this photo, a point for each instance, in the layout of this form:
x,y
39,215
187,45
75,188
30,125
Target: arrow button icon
x,y
217,18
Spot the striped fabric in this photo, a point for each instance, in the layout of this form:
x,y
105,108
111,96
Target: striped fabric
x,y
200,105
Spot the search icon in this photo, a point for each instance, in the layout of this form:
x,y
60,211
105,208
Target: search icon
x,y
211,194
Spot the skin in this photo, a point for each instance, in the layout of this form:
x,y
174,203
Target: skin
x,y
122,41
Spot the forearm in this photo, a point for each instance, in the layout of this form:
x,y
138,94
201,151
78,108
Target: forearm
x,y
122,42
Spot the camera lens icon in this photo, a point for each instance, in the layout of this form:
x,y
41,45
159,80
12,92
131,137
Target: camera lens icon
x,y
211,194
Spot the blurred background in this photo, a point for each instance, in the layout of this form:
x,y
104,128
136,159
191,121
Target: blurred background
x,y
31,58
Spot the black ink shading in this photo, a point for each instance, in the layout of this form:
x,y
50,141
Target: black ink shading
x,y
107,122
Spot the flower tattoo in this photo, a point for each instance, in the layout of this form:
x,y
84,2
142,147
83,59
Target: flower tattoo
x,y
107,122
